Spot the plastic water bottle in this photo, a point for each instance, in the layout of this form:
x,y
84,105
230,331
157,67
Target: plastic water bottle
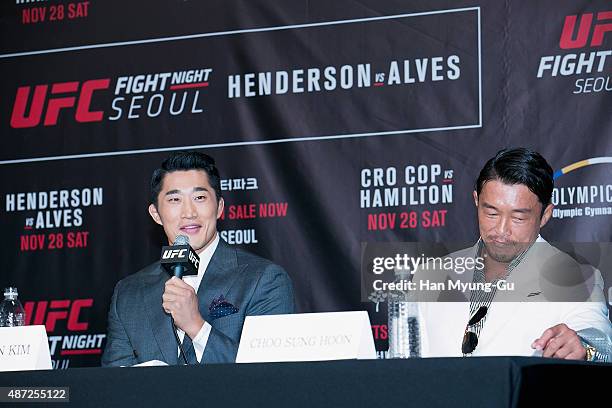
x,y
11,310
403,323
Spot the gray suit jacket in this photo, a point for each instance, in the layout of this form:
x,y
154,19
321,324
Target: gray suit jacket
x,y
139,330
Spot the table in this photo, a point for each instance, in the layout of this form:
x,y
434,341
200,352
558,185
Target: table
x,y
432,382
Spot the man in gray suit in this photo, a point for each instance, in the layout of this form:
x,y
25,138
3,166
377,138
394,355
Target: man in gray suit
x,y
208,309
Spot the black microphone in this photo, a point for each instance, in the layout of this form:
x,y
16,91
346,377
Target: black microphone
x,y
179,259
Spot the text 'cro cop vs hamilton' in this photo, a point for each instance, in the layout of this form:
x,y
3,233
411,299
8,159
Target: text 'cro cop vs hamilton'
x,y
415,189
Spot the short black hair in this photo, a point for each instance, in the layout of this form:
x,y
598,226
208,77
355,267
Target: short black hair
x,y
520,166
184,161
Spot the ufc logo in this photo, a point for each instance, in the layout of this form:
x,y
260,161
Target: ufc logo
x,y
55,104
173,253
193,259
36,313
584,29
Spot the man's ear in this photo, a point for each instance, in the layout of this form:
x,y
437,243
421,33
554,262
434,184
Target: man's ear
x,y
154,214
547,214
475,196
220,207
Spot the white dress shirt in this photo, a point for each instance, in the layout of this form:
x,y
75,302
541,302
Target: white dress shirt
x,y
200,340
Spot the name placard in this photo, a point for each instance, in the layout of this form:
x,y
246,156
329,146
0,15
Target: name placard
x,y
24,348
306,337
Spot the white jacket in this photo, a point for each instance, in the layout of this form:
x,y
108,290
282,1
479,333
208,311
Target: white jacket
x,y
515,318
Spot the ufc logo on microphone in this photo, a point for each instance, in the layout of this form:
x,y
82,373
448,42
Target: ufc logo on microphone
x,y
173,253
603,25
63,96
194,259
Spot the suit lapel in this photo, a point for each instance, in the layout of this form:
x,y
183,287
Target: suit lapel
x,y
161,324
526,275
505,304
219,277
220,274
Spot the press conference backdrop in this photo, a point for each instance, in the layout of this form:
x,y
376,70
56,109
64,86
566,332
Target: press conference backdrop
x,y
334,123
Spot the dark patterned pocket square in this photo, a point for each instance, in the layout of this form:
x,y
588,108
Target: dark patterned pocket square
x,y
220,307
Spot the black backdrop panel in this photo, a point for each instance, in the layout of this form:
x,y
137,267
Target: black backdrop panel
x,y
333,123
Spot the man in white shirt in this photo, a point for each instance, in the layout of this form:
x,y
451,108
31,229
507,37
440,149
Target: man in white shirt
x,y
208,309
541,315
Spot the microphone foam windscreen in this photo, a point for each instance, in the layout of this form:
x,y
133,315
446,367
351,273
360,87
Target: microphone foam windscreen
x,y
181,240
